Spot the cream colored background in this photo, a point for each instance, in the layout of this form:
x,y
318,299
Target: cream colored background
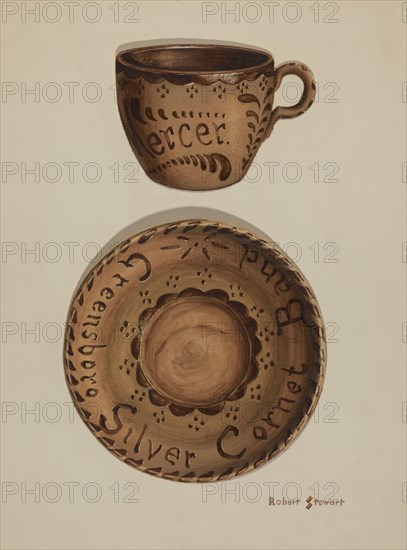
x,y
364,133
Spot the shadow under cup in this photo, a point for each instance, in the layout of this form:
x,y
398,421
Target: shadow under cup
x,y
195,115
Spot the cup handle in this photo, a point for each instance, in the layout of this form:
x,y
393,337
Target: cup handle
x,y
308,94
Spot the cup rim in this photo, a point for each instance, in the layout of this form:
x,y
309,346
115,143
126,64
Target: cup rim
x,y
162,70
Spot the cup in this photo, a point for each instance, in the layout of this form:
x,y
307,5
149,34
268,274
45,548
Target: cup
x,y
195,115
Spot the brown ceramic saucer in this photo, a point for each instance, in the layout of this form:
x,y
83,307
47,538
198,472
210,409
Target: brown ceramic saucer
x,y
195,351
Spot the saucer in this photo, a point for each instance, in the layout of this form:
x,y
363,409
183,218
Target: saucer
x,y
195,351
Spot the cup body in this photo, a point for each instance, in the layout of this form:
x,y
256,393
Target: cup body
x,y
195,115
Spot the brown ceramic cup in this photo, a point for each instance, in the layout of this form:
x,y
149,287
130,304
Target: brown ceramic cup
x,y
196,115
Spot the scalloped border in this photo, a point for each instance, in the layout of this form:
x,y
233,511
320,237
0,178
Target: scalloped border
x,y
249,325
205,77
